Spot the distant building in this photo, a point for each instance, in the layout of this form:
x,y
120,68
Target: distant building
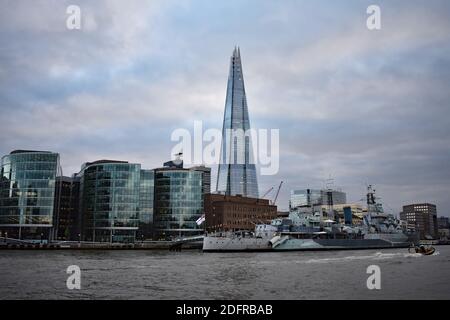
x,y
305,198
422,217
206,179
348,213
313,197
224,212
443,222
444,228
109,200
27,193
67,200
444,234
146,205
178,202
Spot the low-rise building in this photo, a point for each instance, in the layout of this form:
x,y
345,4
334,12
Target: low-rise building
x,y
224,212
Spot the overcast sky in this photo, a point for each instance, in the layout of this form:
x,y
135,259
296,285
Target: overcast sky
x,y
357,105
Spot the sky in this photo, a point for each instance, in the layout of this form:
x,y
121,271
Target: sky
x,y
356,105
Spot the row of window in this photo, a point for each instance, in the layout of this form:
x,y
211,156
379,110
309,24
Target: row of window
x,y
29,157
29,220
28,184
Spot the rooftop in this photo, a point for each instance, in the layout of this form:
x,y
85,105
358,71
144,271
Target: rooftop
x,y
28,151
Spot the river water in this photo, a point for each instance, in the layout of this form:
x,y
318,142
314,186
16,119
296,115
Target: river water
x,y
197,275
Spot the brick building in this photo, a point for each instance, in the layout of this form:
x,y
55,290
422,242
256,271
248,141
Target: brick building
x,y
223,212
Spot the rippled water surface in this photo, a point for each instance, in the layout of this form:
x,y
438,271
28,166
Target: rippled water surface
x,y
197,275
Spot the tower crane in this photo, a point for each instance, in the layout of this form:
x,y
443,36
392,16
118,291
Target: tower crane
x,y
278,192
267,192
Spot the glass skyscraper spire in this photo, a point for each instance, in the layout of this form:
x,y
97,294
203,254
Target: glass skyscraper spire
x,y
237,172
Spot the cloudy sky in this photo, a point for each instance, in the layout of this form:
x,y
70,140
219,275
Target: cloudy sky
x,y
357,105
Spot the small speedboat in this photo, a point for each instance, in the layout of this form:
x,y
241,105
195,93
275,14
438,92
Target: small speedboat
x,y
426,251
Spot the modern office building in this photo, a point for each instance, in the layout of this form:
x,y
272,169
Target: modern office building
x,y
206,178
27,193
422,217
306,197
316,197
225,213
146,200
67,200
109,201
178,202
237,172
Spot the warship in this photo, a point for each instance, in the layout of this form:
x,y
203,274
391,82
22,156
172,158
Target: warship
x,y
302,232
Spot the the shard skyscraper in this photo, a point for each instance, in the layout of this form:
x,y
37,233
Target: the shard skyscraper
x,y
237,172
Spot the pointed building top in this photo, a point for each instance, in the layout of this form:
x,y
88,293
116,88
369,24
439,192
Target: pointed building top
x,y
236,52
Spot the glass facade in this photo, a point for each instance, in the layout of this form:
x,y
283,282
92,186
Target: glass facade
x,y
110,201
312,197
307,197
66,222
27,192
178,203
146,198
237,171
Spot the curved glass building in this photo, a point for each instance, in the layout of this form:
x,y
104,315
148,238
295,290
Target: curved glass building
x,y
27,191
109,201
178,202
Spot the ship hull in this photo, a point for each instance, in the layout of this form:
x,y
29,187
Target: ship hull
x,y
338,244
223,244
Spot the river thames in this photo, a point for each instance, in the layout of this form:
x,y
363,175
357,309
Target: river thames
x,y
197,275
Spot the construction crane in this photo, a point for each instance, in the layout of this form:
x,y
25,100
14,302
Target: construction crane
x,y
268,191
278,192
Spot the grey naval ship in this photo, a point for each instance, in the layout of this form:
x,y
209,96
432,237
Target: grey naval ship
x,y
301,232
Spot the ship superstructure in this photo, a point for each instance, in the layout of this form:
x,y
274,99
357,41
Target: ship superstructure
x,y
302,231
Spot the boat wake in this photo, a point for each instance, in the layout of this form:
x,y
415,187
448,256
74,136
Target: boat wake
x,y
375,256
